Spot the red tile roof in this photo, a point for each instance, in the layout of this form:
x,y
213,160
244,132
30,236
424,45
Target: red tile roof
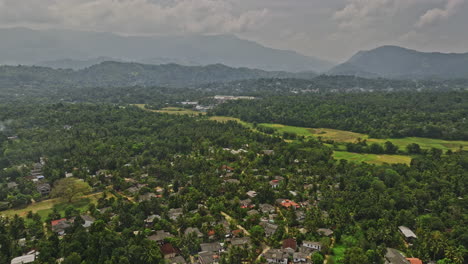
x,y
290,243
168,249
414,260
56,222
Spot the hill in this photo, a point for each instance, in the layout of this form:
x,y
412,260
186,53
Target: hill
x,y
119,74
34,47
401,63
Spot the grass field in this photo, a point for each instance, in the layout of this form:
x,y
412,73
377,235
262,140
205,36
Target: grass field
x,y
227,118
172,110
371,158
44,208
346,136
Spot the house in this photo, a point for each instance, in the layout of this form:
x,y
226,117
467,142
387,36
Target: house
x,y
289,204
193,230
276,256
268,152
312,245
240,241
252,212
30,257
290,243
205,257
270,229
211,247
394,256
267,208
12,185
88,220
43,188
176,260
59,226
226,168
408,233
174,213
274,183
146,197
150,220
233,181
414,260
133,190
247,203
325,232
299,257
160,236
251,194
300,216
168,250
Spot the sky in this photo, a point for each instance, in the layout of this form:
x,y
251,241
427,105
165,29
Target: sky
x,y
329,29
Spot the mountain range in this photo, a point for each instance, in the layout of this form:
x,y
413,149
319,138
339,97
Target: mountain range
x,y
402,63
79,49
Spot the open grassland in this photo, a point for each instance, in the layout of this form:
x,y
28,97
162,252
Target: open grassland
x,y
44,208
346,136
371,158
227,118
172,110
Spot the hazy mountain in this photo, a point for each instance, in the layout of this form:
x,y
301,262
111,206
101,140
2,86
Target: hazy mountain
x,y
26,46
397,62
119,74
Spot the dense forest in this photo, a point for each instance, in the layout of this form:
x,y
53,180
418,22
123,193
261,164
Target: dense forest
x,y
188,173
381,115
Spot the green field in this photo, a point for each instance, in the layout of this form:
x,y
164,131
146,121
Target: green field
x,y
227,118
371,158
172,110
44,208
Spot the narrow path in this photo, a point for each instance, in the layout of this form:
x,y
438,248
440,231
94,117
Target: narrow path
x,y
230,219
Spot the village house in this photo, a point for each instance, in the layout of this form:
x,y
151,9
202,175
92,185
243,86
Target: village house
x,y
12,185
414,260
270,229
394,256
299,257
312,245
267,208
251,194
325,232
193,230
212,247
160,236
146,197
205,257
290,243
240,241
409,235
59,226
149,221
174,213
274,183
168,250
176,260
28,258
88,220
43,189
247,203
276,256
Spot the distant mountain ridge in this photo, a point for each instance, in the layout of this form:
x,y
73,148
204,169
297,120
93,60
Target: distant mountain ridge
x,y
34,47
402,63
121,74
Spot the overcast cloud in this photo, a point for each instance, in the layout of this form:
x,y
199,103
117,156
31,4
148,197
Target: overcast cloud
x,y
330,29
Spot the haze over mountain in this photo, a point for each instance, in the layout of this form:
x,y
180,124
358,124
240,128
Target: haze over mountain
x,y
398,62
120,74
77,49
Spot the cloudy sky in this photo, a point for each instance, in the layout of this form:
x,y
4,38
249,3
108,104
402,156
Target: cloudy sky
x,y
329,29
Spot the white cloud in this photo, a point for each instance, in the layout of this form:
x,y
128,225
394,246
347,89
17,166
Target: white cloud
x,y
133,16
436,14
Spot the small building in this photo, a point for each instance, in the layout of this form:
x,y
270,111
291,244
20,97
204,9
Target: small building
x,y
270,229
274,183
174,213
240,242
268,152
414,260
408,233
176,260
28,258
252,212
205,257
267,208
12,185
312,245
212,247
251,194
88,220
393,256
149,221
146,197
325,232
160,236
193,230
59,226
43,188
299,257
276,256
290,243
168,250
